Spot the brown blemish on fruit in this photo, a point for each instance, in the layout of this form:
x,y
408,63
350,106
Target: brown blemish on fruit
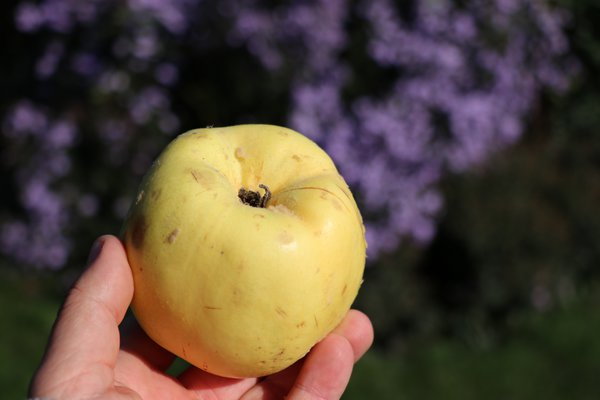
x,y
138,233
240,153
172,236
324,193
238,298
282,208
258,216
301,324
213,308
296,157
279,355
281,312
336,204
316,321
155,194
183,351
202,178
285,238
344,288
196,175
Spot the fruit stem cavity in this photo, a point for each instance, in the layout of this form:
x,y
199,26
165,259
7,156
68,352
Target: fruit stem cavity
x,y
253,198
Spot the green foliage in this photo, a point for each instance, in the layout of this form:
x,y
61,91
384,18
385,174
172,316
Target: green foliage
x,y
545,356
27,312
552,355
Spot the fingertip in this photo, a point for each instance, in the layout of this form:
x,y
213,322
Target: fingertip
x,y
95,251
107,279
358,330
336,348
326,371
112,244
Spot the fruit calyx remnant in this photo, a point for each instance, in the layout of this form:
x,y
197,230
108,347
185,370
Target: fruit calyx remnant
x,y
253,198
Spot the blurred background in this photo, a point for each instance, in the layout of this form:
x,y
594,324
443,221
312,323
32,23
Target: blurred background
x,y
468,131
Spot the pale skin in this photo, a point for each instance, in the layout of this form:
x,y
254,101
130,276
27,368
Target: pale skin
x,y
87,357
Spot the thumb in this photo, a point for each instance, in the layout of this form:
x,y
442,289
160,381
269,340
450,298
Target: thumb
x,y
85,339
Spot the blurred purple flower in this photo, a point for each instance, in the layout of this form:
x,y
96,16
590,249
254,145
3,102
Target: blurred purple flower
x,y
166,74
48,62
88,205
147,102
28,17
316,27
461,79
39,239
145,45
459,96
24,119
172,15
85,64
55,15
113,81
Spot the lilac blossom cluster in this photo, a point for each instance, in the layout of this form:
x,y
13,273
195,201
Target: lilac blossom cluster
x,y
42,235
462,80
465,78
133,82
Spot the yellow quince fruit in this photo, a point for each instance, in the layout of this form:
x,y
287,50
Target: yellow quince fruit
x,y
246,248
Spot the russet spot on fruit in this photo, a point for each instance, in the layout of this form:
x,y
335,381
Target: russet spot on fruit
x,y
246,248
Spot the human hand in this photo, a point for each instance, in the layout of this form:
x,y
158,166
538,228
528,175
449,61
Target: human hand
x,y
88,358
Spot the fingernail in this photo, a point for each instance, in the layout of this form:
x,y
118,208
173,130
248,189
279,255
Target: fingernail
x,y
95,251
